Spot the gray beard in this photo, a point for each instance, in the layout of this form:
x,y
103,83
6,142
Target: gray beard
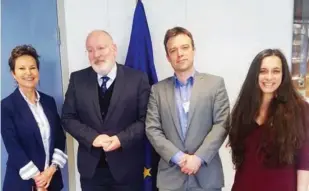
x,y
103,70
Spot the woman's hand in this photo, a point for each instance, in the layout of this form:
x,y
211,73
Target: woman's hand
x,y
49,173
41,189
39,181
302,180
44,178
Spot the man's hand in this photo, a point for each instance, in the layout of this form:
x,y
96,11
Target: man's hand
x,y
102,140
190,164
114,144
183,160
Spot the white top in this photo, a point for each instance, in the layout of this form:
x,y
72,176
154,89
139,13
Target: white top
x,y
43,124
60,158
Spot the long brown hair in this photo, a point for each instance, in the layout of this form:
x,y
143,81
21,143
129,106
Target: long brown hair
x,y
285,125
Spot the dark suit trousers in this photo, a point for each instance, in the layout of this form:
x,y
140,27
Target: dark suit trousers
x,y
104,181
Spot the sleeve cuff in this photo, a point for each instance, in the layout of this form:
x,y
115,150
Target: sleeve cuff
x,y
28,171
202,161
59,158
177,157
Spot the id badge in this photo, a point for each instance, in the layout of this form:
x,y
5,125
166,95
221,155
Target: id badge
x,y
186,106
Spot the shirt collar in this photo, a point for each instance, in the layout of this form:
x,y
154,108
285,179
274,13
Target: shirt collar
x,y
189,80
112,74
27,100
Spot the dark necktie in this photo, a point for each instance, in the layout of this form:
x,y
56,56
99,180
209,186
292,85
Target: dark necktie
x,y
103,86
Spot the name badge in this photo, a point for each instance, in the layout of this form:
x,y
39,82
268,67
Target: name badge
x,y
186,106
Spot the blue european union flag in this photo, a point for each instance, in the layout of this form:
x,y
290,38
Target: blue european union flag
x,y
140,57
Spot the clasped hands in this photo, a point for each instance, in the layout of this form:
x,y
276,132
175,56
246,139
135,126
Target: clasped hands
x,y
190,164
108,143
42,180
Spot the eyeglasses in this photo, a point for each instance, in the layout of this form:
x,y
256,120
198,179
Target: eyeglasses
x,y
101,49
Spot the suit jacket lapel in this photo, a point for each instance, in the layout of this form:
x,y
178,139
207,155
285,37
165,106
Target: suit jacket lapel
x,y
119,87
194,97
92,93
28,117
170,95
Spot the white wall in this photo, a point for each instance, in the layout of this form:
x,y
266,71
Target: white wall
x,y
228,34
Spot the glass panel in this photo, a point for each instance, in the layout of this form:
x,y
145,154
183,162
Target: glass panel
x,y
300,49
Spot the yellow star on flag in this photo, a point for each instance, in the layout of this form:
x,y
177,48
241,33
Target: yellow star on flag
x,y
147,172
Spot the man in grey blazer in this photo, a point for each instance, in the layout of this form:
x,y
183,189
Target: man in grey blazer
x,y
187,120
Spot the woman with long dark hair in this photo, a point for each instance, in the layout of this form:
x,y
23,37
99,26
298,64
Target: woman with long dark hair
x,y
269,129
